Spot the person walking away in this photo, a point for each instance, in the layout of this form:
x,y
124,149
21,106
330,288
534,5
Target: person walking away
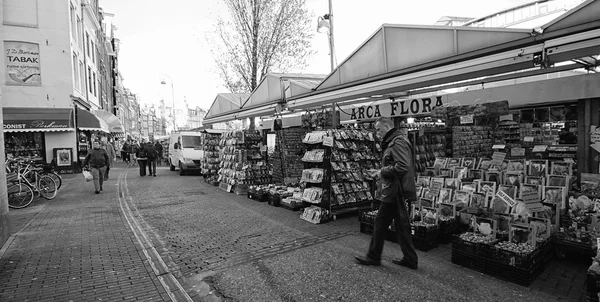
x,y
125,152
398,189
152,156
133,147
98,161
140,154
159,149
112,157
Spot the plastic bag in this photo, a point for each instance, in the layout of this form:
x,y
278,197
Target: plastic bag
x,y
88,175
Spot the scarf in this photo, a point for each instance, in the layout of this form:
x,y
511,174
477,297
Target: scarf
x,y
387,138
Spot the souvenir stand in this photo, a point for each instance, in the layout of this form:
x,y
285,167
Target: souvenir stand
x,y
211,157
242,163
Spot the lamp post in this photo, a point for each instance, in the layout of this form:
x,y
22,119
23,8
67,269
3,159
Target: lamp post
x,y
325,24
172,99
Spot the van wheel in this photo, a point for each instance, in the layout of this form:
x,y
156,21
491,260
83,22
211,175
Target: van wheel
x,y
181,172
172,168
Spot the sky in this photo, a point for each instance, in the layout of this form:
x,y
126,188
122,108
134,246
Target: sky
x,y
166,39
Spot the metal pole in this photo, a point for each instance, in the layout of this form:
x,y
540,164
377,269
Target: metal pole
x,y
331,44
4,223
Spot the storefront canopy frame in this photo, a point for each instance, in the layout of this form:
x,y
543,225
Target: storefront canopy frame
x,y
28,119
486,59
90,122
113,122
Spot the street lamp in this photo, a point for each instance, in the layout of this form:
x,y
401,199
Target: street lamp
x,y
172,99
325,24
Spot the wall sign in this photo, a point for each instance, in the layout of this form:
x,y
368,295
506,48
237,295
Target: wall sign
x,y
22,63
466,119
394,109
37,124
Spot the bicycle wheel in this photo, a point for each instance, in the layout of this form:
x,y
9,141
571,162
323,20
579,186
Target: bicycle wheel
x,y
19,195
47,187
56,177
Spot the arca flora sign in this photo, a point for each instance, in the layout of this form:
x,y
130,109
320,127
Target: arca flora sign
x,y
393,109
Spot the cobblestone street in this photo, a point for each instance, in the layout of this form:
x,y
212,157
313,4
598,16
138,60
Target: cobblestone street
x,y
176,238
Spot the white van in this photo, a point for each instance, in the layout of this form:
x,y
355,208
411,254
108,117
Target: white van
x,y
185,151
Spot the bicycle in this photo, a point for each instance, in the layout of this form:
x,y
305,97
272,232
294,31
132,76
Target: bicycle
x,y
28,179
45,169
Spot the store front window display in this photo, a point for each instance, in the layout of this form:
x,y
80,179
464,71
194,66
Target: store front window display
x,y
29,145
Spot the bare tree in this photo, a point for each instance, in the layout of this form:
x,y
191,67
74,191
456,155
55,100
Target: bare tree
x,y
260,36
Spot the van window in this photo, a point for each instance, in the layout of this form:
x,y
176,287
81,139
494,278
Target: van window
x,y
191,141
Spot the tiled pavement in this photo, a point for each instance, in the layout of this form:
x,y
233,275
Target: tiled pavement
x,y
76,248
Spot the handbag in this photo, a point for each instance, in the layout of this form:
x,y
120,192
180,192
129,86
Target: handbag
x,y
87,175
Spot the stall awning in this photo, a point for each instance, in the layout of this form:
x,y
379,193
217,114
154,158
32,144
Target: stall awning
x,y
23,119
398,58
226,103
90,122
242,114
274,88
113,122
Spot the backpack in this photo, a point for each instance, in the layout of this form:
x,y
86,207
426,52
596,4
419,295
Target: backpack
x,y
141,152
151,152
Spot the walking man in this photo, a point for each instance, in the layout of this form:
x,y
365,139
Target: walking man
x,y
112,156
140,153
98,161
397,191
152,156
125,152
159,149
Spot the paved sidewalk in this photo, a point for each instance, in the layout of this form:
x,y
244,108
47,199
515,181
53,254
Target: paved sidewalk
x,y
76,248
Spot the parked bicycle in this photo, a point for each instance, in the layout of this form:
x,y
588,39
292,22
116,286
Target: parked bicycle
x,y
24,180
43,169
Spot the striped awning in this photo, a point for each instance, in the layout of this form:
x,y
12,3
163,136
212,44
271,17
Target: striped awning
x,y
25,119
88,121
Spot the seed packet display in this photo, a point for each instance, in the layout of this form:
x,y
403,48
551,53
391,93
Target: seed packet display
x,y
513,179
488,187
438,179
452,183
475,174
419,190
557,180
460,172
426,194
504,221
499,206
469,187
445,195
424,202
424,181
555,195
430,172
484,163
542,227
453,162
516,166
494,176
469,162
440,163
535,180
478,200
551,212
509,190
446,211
561,168
538,168
520,234
462,197
530,188
446,172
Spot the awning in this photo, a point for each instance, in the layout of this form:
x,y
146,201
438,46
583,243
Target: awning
x,y
274,87
114,124
90,122
24,119
225,103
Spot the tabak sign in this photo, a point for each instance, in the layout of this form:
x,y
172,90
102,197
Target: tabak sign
x,y
393,109
22,63
37,124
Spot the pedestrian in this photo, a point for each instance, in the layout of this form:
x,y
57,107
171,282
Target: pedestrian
x,y
152,156
140,154
159,149
133,146
98,161
125,152
398,189
112,157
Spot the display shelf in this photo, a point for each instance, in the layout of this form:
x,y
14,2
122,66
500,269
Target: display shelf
x,y
210,156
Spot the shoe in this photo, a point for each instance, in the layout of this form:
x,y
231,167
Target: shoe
x,y
97,192
100,188
154,175
367,261
405,263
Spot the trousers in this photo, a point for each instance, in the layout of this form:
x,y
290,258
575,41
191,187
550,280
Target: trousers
x,y
98,174
151,166
142,163
389,211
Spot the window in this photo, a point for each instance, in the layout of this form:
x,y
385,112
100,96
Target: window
x,y
73,16
20,13
89,75
87,43
76,78
79,30
82,76
94,82
93,52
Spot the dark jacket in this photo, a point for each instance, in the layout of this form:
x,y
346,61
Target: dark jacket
x,y
398,171
159,148
97,158
140,152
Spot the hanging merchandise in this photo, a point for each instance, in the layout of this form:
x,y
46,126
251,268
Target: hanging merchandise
x,y
242,164
286,159
211,157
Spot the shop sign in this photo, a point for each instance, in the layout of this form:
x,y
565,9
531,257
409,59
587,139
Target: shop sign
x,y
595,138
517,152
37,124
540,148
530,197
466,119
22,63
528,139
507,199
396,108
498,158
328,141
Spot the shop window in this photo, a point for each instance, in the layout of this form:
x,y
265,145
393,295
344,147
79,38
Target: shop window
x,y
26,145
527,116
571,113
542,115
558,114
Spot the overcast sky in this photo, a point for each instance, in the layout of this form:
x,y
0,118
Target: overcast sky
x,y
167,37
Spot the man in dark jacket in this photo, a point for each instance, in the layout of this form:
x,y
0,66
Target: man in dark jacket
x,y
159,148
152,156
98,161
397,191
140,153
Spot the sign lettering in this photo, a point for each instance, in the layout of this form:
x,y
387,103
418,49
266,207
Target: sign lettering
x,y
22,63
498,158
507,199
436,187
396,108
530,197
